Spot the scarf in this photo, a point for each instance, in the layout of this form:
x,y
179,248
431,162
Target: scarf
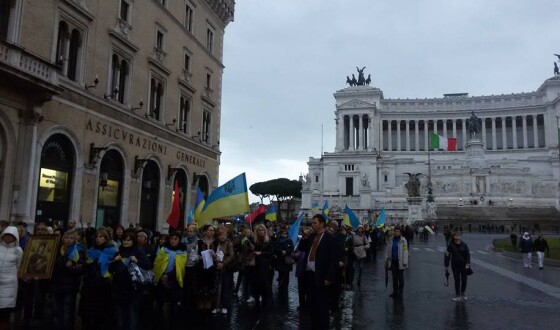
x,y
102,257
171,258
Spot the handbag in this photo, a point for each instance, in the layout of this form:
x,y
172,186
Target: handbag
x,y
139,276
360,252
289,260
469,271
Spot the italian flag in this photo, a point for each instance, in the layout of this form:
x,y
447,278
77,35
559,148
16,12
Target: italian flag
x,y
440,142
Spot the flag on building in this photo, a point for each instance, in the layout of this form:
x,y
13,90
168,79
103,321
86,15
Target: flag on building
x,y
253,216
325,211
440,142
198,203
293,231
271,213
381,220
350,218
229,199
175,214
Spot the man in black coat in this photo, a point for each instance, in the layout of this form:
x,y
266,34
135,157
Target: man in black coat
x,y
320,272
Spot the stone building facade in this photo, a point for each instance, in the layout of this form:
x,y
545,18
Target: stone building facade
x,y
105,105
379,140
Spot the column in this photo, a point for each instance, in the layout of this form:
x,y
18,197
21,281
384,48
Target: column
x,y
535,133
360,133
484,134
464,133
398,135
407,139
504,137
389,135
454,128
426,136
417,135
444,128
514,131
352,134
339,132
371,143
494,146
525,143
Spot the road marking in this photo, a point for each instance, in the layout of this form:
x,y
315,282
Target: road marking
x,y
482,252
428,249
415,248
441,249
543,287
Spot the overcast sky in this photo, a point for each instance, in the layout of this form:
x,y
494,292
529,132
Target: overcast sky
x,y
285,59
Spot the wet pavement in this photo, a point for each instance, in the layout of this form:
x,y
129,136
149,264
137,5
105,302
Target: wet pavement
x,y
501,295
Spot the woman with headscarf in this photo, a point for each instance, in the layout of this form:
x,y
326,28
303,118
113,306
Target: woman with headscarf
x,y
283,262
10,259
458,254
95,297
126,295
263,252
66,278
169,271
526,247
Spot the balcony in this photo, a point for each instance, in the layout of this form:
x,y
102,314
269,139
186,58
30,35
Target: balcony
x,y
26,70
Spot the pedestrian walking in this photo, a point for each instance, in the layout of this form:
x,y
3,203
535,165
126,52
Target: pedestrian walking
x,y
526,247
360,246
541,246
396,255
10,260
458,255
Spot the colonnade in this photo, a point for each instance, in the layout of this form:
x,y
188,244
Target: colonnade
x,y
497,133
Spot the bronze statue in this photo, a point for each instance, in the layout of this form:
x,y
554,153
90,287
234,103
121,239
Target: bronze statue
x,y
474,125
361,79
368,80
354,81
349,81
413,185
556,72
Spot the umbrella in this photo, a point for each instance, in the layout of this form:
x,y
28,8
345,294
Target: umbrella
x,y
446,278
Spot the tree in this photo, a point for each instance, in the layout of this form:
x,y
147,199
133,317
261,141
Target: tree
x,y
281,190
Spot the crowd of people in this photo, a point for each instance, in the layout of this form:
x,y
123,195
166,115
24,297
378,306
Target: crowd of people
x,y
117,278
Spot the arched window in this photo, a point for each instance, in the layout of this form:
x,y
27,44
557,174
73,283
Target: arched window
x,y
75,45
123,77
62,44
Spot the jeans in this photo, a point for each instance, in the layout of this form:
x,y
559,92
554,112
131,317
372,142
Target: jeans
x,y
225,290
64,308
127,313
359,266
527,259
398,278
460,279
540,258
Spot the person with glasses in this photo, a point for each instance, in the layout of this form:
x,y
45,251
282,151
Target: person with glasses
x,y
457,254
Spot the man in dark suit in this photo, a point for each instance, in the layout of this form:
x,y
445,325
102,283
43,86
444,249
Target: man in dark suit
x,y
320,272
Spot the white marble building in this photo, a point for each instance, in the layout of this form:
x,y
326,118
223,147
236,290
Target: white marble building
x,y
514,168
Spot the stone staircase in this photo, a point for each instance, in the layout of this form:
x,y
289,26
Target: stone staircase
x,y
511,215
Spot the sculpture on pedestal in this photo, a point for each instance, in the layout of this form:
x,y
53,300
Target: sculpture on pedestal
x,y
413,185
361,81
474,125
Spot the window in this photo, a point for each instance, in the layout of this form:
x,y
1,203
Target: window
x,y
209,40
156,99
184,111
163,2
385,179
316,178
187,64
208,80
124,10
206,121
159,40
189,18
68,50
120,75
5,8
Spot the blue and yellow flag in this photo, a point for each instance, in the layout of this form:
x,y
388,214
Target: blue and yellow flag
x,y
198,204
228,199
270,214
315,207
350,218
325,211
381,220
74,254
190,216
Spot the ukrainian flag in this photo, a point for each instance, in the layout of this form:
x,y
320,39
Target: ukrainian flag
x,y
315,207
350,218
74,254
190,216
271,213
293,231
228,199
325,211
198,204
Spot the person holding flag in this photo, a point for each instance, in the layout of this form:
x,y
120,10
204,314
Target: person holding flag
x,y
96,307
66,279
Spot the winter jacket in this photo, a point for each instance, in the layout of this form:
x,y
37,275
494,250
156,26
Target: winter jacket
x,y
10,259
526,245
67,278
458,255
403,253
122,288
283,247
540,245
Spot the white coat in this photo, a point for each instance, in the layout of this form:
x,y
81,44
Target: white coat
x,y
10,259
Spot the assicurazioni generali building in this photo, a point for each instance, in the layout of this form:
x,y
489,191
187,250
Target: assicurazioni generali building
x,y
508,172
104,105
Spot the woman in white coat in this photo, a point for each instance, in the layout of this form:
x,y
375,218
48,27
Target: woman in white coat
x,y
10,259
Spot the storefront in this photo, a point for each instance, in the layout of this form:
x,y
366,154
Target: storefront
x,y
109,196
